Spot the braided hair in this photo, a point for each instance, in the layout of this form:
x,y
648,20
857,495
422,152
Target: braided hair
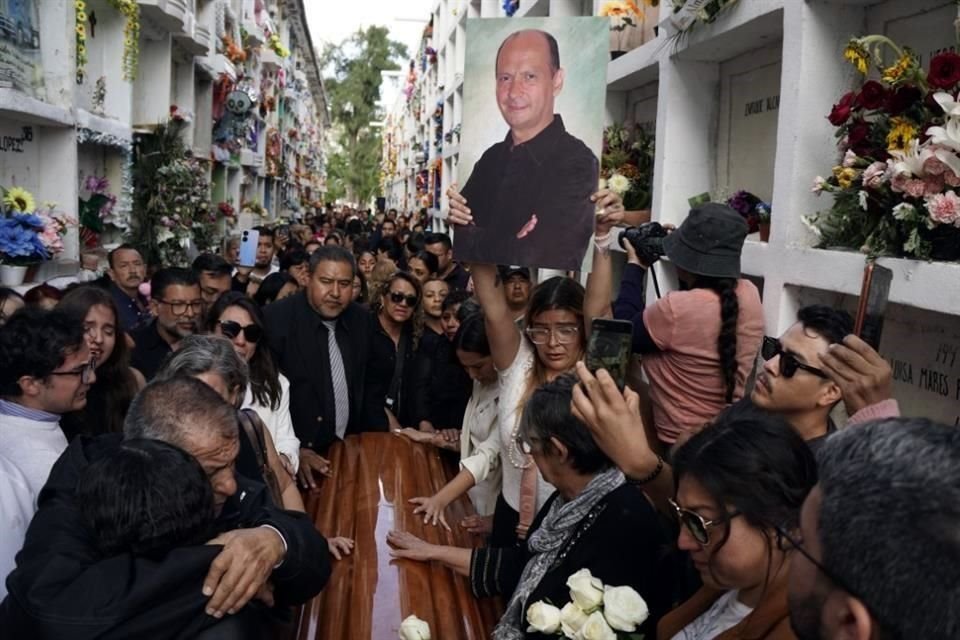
x,y
726,288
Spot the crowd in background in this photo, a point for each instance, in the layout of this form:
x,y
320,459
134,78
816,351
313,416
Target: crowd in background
x,y
716,484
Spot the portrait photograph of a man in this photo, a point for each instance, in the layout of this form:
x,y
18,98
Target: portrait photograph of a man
x,y
534,92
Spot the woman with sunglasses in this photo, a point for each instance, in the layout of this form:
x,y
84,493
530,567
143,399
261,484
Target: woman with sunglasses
x,y
699,344
594,520
238,319
389,383
117,382
740,485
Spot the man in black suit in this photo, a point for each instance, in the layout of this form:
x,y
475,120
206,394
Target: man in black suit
x,y
530,193
320,340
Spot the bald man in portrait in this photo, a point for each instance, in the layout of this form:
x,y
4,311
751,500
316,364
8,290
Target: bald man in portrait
x,y
530,194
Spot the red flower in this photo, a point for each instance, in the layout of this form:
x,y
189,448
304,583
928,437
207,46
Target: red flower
x,y
841,111
872,95
858,139
904,98
944,70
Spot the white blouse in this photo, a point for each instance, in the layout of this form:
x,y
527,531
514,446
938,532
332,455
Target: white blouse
x,y
278,422
480,446
726,613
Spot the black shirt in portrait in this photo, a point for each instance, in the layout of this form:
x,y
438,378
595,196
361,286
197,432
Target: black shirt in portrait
x,y
551,176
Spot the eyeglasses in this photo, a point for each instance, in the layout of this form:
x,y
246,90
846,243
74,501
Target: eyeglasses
x,y
396,298
788,362
231,329
85,372
696,525
565,334
179,308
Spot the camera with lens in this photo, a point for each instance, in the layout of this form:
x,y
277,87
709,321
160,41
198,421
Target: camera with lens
x,y
646,240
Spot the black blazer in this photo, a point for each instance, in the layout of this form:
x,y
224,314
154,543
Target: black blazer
x,y
298,339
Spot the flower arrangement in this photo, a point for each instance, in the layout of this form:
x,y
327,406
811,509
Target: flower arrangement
x,y
623,13
629,154
234,52
98,204
80,35
277,47
595,611
895,189
754,210
131,37
28,235
171,198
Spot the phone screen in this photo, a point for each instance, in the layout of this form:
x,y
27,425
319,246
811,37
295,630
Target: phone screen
x,y
249,239
873,304
609,347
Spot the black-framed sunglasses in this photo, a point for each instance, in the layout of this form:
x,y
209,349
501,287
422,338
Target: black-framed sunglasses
x,y
696,525
231,329
789,364
396,298
85,372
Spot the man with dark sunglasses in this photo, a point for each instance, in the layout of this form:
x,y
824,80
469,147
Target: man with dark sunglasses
x,y
804,376
878,550
46,372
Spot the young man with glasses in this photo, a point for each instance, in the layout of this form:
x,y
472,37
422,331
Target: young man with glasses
x,y
177,305
46,372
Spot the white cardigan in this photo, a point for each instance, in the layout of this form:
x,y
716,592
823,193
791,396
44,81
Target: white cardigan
x,y
480,446
278,422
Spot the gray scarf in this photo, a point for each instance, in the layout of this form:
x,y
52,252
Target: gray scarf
x,y
546,542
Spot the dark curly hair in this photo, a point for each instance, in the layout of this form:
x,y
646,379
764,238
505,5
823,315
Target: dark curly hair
x,y
146,497
754,462
832,324
34,342
110,396
264,377
270,287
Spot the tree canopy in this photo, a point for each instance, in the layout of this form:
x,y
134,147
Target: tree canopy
x,y
352,80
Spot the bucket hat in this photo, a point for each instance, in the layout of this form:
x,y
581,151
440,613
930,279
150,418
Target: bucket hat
x,y
709,242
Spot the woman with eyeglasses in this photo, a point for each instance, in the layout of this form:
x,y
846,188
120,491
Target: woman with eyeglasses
x,y
594,520
117,382
238,319
740,485
553,340
389,384
700,343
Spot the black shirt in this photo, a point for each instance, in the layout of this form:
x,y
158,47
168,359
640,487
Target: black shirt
x,y
458,278
442,387
133,311
150,350
551,176
298,340
381,366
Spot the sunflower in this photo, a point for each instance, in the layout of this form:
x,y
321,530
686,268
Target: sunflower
x,y
80,5
81,31
897,71
902,131
81,17
857,55
19,199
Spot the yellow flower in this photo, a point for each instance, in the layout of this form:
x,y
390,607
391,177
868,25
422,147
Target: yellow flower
x,y
857,56
901,133
81,17
81,31
615,9
845,176
80,5
19,199
894,73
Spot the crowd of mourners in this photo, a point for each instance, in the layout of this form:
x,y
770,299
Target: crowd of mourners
x,y
157,428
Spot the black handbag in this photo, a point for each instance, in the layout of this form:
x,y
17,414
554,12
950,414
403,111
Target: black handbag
x,y
253,426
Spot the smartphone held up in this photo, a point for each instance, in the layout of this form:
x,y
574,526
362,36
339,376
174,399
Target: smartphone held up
x,y
609,347
249,239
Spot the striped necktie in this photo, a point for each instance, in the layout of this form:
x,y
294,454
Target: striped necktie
x,y
338,376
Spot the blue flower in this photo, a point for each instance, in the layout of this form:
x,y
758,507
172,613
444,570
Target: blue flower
x,y
510,7
29,220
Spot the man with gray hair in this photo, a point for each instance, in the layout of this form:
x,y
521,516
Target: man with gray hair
x,y
261,552
879,549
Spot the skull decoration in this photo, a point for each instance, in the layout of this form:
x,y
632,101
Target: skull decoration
x,y
239,102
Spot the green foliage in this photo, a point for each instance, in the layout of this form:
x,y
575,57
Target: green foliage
x,y
352,81
171,198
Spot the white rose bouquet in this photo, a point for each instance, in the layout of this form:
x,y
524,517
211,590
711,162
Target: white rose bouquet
x,y
413,628
596,612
